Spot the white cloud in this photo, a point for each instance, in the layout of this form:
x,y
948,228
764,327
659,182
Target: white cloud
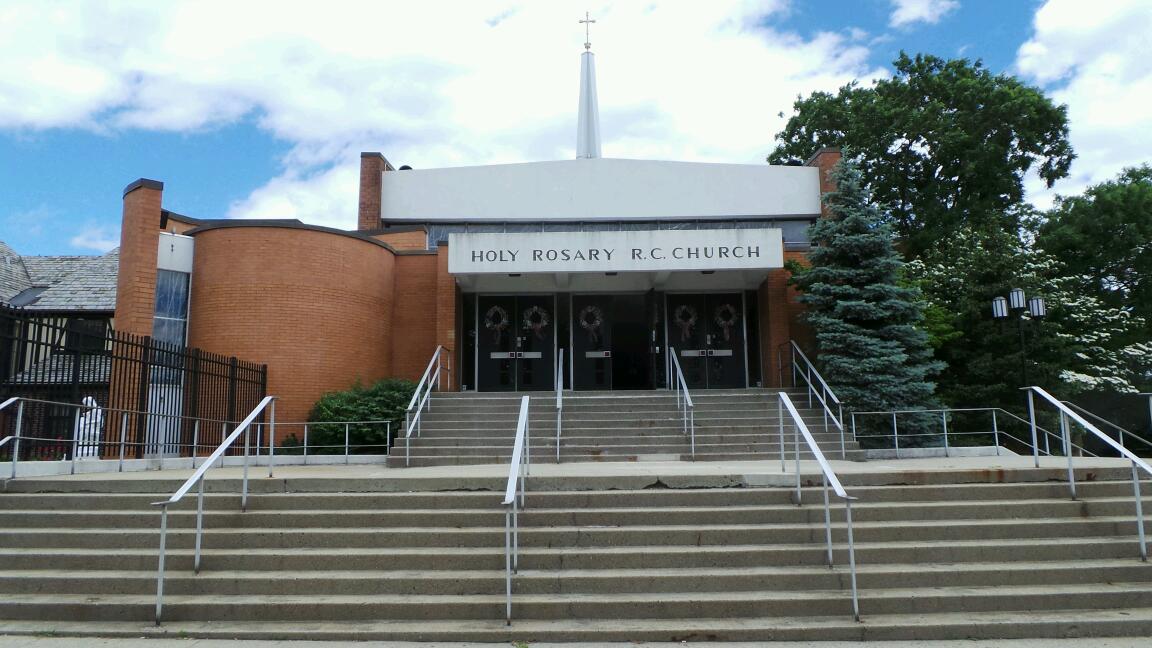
x,y
427,83
908,12
1094,58
96,237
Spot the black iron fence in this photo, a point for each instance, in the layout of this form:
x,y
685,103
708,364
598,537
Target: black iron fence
x,y
95,392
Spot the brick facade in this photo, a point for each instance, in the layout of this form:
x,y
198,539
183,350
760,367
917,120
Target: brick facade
x,y
136,278
372,168
311,304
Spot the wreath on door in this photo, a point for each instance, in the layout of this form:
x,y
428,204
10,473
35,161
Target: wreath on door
x,y
591,318
685,318
726,317
496,320
536,319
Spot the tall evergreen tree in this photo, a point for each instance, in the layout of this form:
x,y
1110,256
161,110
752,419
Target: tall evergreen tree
x,y
873,354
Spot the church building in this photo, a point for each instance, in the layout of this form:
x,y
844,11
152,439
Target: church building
x,y
616,262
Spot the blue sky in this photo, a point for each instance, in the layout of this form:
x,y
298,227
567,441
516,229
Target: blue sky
x,y
266,117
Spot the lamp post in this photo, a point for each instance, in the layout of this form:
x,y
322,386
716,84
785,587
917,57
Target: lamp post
x,y
1016,305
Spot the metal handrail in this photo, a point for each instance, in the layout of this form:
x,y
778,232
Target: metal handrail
x,y
685,404
996,431
1100,419
799,429
824,396
559,399
19,422
1066,414
198,423
245,426
422,399
518,469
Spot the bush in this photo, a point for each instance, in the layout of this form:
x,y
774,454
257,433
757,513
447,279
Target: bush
x,y
385,400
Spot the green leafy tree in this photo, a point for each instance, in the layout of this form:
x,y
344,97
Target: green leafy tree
x,y
1081,346
1105,236
942,143
865,322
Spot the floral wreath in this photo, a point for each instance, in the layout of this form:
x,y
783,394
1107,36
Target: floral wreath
x,y
536,318
496,319
726,317
591,318
685,318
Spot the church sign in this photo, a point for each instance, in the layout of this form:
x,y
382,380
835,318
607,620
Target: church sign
x,y
621,251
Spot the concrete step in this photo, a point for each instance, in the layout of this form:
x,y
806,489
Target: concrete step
x,y
1128,622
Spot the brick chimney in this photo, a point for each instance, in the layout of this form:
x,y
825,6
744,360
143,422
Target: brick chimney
x,y
136,278
825,159
372,168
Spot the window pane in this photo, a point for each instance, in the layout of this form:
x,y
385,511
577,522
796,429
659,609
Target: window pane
x,y
168,331
171,294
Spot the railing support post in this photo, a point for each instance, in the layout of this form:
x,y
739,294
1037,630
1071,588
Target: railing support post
x,y
944,420
244,486
347,433
1139,513
16,442
895,435
508,566
199,526
827,522
271,437
780,417
995,433
852,559
160,566
195,440
1032,423
1065,435
75,439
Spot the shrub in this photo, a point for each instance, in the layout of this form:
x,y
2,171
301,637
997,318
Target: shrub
x,y
385,400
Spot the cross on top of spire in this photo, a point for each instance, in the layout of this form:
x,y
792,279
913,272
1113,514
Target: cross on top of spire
x,y
587,23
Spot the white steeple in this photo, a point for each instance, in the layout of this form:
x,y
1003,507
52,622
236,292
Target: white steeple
x,y
588,129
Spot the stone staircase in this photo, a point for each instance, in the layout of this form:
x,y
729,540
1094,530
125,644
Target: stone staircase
x,y
942,555
479,428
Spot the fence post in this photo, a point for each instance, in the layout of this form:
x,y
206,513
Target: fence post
x,y
145,385
305,444
346,426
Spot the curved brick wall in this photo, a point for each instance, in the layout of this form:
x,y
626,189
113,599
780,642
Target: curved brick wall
x,y
315,306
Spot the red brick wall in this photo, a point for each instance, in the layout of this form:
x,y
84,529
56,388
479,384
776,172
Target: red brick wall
x,y
414,240
372,168
825,159
136,279
415,316
312,305
780,313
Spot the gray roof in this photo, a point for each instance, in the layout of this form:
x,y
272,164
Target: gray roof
x,y
14,277
70,283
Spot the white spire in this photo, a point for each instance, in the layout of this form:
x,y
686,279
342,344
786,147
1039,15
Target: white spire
x,y
588,129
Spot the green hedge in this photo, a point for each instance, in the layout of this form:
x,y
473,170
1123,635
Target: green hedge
x,y
385,400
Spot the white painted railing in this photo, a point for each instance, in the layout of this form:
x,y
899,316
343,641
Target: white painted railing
x,y
514,501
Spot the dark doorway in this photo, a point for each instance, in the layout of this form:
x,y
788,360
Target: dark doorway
x,y
516,343
611,342
707,333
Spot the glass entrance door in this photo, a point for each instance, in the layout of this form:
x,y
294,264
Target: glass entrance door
x,y
516,342
707,332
